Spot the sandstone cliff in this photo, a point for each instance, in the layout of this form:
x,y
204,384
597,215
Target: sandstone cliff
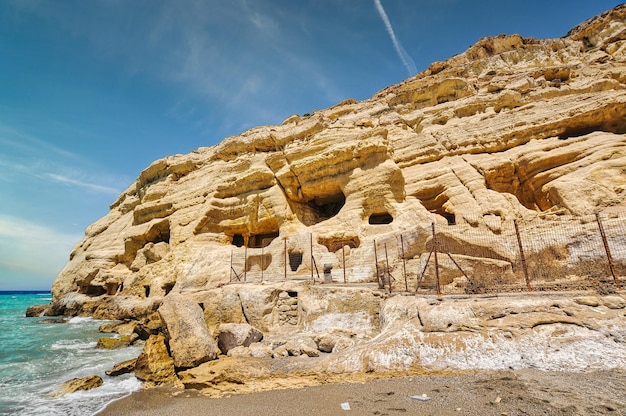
x,y
513,129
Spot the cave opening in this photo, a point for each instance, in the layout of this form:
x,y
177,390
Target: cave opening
x,y
167,288
162,235
450,217
336,243
434,200
322,208
295,260
380,219
262,240
92,290
238,240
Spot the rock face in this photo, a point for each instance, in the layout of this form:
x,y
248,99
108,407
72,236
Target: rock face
x,y
513,129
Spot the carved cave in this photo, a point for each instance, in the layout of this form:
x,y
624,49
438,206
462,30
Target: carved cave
x,y
380,219
320,209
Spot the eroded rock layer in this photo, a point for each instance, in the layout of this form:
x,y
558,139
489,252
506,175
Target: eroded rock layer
x,y
514,130
509,129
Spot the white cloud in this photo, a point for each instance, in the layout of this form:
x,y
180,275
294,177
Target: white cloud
x,y
27,143
29,247
27,156
406,59
90,186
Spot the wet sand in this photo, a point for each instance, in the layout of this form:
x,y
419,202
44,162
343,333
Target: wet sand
x,y
519,392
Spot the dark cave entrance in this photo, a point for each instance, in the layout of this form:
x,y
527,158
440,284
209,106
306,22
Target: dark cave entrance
x,y
295,260
261,240
380,219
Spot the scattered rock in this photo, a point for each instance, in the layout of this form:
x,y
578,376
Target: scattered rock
x,y
614,302
309,351
121,328
37,311
78,384
150,325
592,301
122,368
53,321
239,351
280,352
230,336
114,343
259,350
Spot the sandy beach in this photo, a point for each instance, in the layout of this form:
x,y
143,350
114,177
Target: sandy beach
x,y
514,392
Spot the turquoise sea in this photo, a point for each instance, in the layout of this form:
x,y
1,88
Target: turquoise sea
x,y
36,357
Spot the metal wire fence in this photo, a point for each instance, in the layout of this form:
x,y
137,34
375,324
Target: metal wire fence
x,y
482,255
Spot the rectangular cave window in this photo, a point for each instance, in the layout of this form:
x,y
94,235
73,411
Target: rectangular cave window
x,y
449,217
111,288
93,290
238,240
147,289
295,260
168,288
261,240
377,219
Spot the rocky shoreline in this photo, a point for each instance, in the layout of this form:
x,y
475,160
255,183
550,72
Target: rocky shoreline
x,y
240,344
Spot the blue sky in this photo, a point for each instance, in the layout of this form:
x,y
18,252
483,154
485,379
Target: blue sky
x,y
91,92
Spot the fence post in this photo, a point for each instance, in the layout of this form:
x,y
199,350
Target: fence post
x,y
312,259
387,274
406,285
245,263
522,255
285,255
343,262
435,243
607,250
376,263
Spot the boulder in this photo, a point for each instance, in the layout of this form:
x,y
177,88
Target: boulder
x,y
230,336
121,328
614,302
115,343
280,352
191,344
239,351
78,384
259,350
154,364
122,368
150,325
302,345
53,321
332,342
37,310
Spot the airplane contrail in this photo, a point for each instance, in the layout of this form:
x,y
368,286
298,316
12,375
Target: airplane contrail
x,y
406,59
